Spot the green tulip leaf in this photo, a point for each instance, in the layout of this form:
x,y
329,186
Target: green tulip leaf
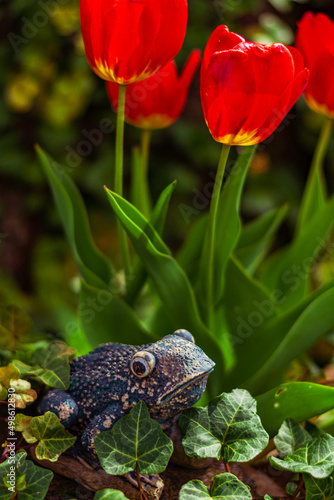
x,y
30,481
279,404
248,306
105,317
267,497
289,268
256,238
109,494
95,268
228,429
266,340
226,486
47,429
135,441
315,458
189,255
319,489
157,219
315,321
140,193
51,365
159,214
168,278
228,222
290,437
314,197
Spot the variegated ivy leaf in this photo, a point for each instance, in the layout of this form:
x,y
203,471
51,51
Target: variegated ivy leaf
x,y
315,458
51,434
228,429
10,379
290,437
226,486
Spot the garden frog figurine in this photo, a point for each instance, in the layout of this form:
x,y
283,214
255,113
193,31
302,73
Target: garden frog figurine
x,y
170,375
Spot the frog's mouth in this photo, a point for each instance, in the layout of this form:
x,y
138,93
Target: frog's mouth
x,y
173,393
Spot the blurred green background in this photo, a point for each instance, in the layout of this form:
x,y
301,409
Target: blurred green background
x,y
52,97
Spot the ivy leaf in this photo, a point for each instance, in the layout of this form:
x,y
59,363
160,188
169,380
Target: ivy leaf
x,y
228,429
23,393
51,434
225,485
23,425
51,365
30,481
109,494
37,479
290,437
290,488
6,479
8,374
315,458
267,497
15,326
134,441
319,489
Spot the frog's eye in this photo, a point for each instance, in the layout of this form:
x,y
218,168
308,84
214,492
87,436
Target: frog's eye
x,y
142,364
185,335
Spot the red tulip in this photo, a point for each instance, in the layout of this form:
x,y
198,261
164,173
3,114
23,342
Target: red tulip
x,y
129,40
248,88
315,41
158,101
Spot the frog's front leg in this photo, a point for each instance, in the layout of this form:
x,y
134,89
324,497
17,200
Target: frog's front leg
x,y
62,404
102,422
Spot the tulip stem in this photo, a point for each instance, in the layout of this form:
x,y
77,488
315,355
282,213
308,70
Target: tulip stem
x,y
145,205
212,227
119,176
315,170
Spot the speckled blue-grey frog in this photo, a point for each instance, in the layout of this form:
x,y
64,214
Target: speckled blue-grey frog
x,y
170,375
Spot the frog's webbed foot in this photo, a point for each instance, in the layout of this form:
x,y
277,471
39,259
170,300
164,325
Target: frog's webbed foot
x,y
62,404
152,484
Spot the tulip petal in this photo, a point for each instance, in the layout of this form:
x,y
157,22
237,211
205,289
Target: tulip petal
x,y
321,85
220,40
315,40
157,101
246,91
315,33
174,16
129,40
